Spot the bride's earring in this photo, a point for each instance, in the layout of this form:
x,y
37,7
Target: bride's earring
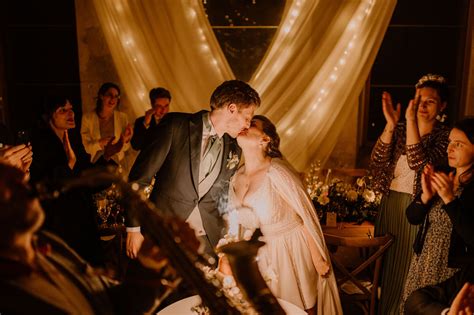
x,y
441,117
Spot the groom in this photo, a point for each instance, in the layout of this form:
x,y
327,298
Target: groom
x,y
193,157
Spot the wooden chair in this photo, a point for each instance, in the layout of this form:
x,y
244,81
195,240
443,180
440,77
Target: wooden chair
x,y
373,250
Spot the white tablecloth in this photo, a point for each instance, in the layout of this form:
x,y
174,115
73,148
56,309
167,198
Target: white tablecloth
x,y
183,307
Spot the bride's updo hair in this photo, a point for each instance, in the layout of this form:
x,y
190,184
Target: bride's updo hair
x,y
270,130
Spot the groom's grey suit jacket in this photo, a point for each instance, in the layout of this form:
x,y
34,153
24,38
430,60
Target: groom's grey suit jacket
x,y
174,155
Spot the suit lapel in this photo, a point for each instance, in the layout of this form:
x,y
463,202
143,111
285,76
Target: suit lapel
x,y
225,154
195,140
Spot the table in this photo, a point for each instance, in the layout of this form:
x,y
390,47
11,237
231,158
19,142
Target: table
x,y
350,229
183,307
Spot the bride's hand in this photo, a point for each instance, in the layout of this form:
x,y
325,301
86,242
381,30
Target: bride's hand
x,y
322,267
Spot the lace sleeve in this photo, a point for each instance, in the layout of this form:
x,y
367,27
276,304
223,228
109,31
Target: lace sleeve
x,y
430,150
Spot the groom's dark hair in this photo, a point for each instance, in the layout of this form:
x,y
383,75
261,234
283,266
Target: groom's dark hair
x,y
234,92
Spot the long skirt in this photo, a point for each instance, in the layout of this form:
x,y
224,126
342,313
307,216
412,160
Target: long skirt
x,y
392,219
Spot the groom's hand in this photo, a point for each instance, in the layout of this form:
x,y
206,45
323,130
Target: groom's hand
x,y
134,242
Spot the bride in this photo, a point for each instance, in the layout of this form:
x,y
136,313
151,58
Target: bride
x,y
267,190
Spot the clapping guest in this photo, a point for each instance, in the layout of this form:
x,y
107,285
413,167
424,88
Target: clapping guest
x,y
444,208
106,132
160,99
20,156
397,161
60,153
59,156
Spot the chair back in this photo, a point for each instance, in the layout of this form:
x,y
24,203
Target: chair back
x,y
372,251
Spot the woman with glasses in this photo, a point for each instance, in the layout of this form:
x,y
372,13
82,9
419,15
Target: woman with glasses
x,y
106,132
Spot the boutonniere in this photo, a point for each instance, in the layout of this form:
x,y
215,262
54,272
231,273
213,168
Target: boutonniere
x,y
232,160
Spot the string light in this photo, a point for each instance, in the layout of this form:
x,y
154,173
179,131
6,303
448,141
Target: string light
x,y
354,27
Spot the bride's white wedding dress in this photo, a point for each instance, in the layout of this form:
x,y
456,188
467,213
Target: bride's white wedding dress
x,y
287,218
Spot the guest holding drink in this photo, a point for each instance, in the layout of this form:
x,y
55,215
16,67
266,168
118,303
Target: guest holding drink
x,y
397,161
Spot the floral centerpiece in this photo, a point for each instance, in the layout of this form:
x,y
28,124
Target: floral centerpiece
x,y
352,202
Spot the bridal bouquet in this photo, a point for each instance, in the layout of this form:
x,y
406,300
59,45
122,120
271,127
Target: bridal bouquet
x,y
356,202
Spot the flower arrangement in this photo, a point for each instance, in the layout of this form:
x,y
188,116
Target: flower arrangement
x,y
356,202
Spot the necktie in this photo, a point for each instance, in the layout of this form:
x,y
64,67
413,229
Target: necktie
x,y
210,155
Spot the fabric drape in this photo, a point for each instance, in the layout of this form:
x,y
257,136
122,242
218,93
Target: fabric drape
x,y
309,80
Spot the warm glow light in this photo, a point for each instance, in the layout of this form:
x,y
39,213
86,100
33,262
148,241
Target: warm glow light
x,y
293,71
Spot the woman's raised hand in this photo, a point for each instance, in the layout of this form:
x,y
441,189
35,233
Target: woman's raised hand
x,y
463,304
71,156
427,189
391,114
127,134
19,156
412,108
444,186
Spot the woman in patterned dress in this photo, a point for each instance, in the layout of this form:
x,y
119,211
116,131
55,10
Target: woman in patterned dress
x,y
433,260
397,162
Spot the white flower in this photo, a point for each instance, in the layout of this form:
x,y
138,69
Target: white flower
x,y
232,160
352,195
323,199
360,182
368,195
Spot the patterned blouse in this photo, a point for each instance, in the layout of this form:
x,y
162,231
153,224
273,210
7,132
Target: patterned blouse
x,y
430,267
431,149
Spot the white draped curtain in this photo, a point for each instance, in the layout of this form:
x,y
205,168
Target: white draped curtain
x,y
309,79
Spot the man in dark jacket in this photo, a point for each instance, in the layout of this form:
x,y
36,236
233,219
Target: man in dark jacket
x,y
193,157
160,99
